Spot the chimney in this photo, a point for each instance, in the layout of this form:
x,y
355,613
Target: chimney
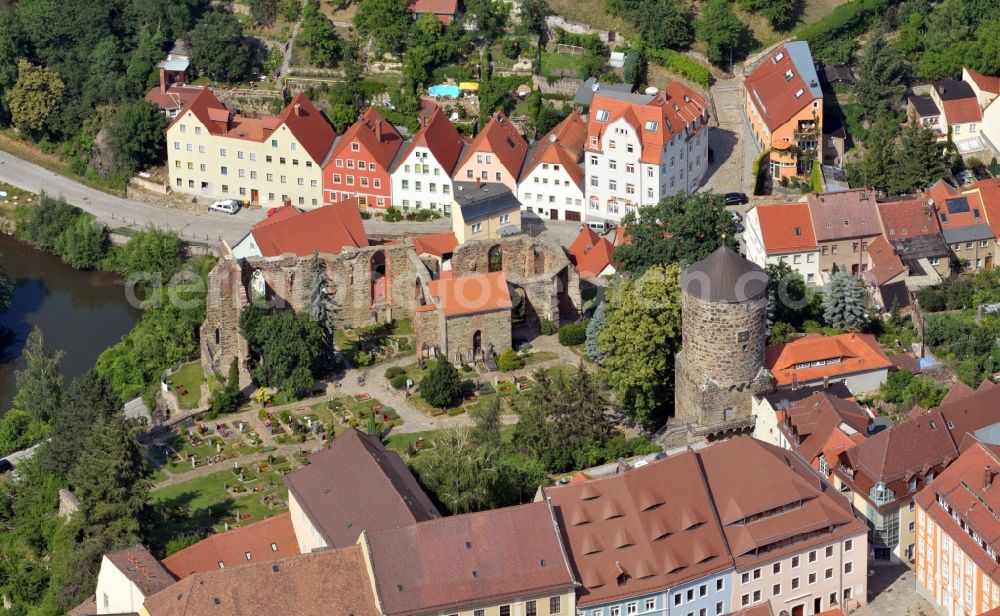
x,y
826,382
163,81
622,466
987,477
298,109
378,130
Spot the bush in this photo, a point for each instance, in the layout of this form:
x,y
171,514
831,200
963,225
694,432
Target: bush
x,y
393,372
573,334
548,327
781,333
399,381
512,48
442,385
509,360
393,214
684,66
180,542
455,411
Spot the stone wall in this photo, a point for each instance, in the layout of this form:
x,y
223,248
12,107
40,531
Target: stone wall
x,y
494,328
721,361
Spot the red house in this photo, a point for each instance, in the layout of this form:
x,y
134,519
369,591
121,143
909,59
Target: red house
x,y
358,165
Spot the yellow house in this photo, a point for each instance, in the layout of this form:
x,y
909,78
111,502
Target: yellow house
x,y
216,154
484,211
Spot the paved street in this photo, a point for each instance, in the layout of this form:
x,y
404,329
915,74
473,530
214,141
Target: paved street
x,y
892,592
731,144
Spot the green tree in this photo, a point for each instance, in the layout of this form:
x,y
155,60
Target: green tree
x,y
845,304
220,50
877,167
152,252
263,12
459,473
385,22
533,14
442,386
321,305
34,98
634,69
918,160
881,74
291,9
487,420
137,137
13,47
489,16
788,299
286,347
594,328
782,14
509,360
318,36
18,430
683,228
666,24
83,244
726,36
641,335
88,401
227,399
47,221
39,385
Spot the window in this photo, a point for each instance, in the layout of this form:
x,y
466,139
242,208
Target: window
x,y
201,149
745,578
690,594
504,219
745,600
776,590
702,590
629,148
720,584
530,608
849,545
249,557
795,583
650,605
812,578
504,610
632,608
829,551
224,170
847,594
756,574
828,574
718,608
776,568
795,562
848,567
282,179
555,605
677,599
253,156
225,188
756,595
629,168
477,227
612,185
602,115
616,611
222,152
177,145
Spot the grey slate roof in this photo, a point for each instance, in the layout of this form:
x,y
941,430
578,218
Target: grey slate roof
x,y
972,233
925,106
480,201
585,93
799,52
951,89
724,277
922,247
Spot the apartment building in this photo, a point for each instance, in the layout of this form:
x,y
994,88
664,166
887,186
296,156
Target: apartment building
x,y
957,562
784,105
484,211
421,176
844,223
358,165
495,155
215,153
783,233
551,183
642,148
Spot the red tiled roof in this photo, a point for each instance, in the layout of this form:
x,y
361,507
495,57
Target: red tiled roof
x,y
500,137
563,145
672,110
327,230
962,110
308,126
382,151
265,540
591,253
440,136
786,227
985,83
854,352
437,244
907,218
844,215
951,207
772,94
885,263
141,568
328,582
989,196
176,96
816,421
436,7
482,558
585,240
327,489
958,391
471,294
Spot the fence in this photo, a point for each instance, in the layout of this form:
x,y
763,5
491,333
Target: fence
x,y
572,49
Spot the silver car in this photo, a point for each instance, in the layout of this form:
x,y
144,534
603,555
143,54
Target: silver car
x,y
226,206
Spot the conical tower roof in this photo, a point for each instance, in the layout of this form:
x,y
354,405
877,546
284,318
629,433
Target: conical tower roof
x,y
724,277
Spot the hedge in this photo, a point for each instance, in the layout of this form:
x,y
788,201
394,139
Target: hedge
x,y
682,65
840,26
573,334
758,187
816,178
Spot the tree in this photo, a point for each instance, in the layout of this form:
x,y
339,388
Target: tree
x,y
533,14
594,328
291,10
39,385
634,69
918,162
442,385
152,252
227,399
489,16
18,430
782,14
666,24
845,304
34,98
321,305
137,137
880,76
219,48
727,37
878,166
641,334
263,12
789,301
13,47
683,228
83,243
509,360
561,418
385,22
547,118
286,347
88,401
487,420
318,36
459,473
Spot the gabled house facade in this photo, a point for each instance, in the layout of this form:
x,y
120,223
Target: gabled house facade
x,y
421,177
783,233
784,106
857,360
495,155
844,223
551,183
357,166
642,148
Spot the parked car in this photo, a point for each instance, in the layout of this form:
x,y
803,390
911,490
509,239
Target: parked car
x,y
226,206
737,217
736,198
599,226
5,466
739,228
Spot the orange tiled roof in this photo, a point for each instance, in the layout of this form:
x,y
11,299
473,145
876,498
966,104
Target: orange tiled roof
x,y
675,108
265,540
435,7
176,96
988,192
365,132
962,110
907,218
326,229
562,145
471,294
500,138
886,264
985,83
772,93
786,227
851,352
440,136
437,244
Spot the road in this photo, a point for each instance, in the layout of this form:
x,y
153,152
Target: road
x,y
732,145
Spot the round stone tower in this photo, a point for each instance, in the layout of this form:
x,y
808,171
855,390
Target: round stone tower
x,y
724,330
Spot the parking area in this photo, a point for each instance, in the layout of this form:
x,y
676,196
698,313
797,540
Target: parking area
x,y
732,150
892,592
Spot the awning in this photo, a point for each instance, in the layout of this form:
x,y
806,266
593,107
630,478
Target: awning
x,y
472,86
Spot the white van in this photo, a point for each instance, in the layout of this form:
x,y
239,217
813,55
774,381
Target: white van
x,y
226,206
599,226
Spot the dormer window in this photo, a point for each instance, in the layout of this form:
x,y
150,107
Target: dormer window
x,y
603,115
789,74
912,485
881,493
652,125
799,93
798,231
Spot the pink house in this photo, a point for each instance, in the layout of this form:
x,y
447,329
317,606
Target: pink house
x,y
496,155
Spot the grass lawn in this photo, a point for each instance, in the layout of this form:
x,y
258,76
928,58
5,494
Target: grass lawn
x,y
592,14
9,142
203,503
401,442
561,64
190,377
540,356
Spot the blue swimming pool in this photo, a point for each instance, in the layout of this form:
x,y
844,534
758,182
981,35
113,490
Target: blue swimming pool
x,y
444,90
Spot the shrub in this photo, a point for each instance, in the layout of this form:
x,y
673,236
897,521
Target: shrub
x,y
573,334
442,385
548,327
393,214
365,215
455,411
510,360
399,381
512,48
684,66
393,372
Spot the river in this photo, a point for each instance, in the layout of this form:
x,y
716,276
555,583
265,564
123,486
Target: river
x,y
81,313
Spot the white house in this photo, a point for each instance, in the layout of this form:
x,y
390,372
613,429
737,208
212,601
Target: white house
x,y
421,176
551,183
783,233
642,148
126,578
